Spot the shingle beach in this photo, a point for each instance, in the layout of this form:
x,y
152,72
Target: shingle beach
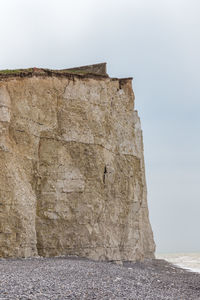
x,y
75,278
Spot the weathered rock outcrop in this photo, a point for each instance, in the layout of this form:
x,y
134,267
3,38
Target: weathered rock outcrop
x,y
72,178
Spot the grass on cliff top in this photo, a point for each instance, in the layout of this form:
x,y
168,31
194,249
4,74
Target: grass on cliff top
x,y
16,71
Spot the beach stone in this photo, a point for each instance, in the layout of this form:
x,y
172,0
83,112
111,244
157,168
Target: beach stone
x,y
72,179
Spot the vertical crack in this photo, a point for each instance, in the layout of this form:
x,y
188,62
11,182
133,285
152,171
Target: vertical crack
x,y
37,193
104,175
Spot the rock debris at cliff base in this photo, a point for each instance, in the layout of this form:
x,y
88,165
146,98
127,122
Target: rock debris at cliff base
x,y
72,179
79,279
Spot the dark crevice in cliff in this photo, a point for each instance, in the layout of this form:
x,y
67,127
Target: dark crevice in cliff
x,y
104,175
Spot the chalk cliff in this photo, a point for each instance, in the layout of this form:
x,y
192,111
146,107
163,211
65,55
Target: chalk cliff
x,y
72,177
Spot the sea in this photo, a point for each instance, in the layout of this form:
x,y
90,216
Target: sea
x,y
189,261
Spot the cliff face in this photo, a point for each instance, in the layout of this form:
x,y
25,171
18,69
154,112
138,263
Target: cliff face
x,y
72,178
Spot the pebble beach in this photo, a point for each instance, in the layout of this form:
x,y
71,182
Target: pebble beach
x,y
76,278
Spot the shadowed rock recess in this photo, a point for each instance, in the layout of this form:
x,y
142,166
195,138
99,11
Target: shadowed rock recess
x,y
72,178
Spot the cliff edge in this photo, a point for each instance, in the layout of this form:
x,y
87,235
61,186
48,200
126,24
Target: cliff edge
x,y
72,177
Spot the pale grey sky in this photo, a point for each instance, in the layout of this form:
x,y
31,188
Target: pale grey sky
x,y
158,43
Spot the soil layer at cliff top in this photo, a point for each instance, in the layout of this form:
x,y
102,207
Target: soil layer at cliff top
x,y
96,70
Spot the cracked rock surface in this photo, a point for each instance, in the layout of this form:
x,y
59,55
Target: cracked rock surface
x,y
72,179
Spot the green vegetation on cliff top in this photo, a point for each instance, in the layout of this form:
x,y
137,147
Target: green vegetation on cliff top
x,y
7,71
38,70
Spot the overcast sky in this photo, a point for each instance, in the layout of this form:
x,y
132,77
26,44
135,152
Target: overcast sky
x,y
158,43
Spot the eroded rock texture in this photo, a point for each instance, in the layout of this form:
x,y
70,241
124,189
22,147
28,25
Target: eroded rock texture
x,y
72,178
